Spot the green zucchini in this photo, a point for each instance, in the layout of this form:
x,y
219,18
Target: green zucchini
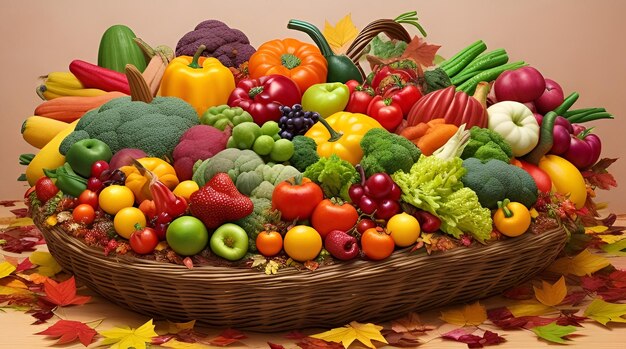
x,y
118,48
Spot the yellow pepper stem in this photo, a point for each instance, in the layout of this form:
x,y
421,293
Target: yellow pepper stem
x,y
194,62
334,135
505,209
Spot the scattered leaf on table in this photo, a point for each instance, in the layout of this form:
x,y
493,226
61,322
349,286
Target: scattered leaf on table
x,y
529,308
63,293
604,312
341,35
421,51
472,340
314,343
227,337
175,327
363,333
176,344
69,331
275,346
24,265
553,332
471,315
47,265
618,278
551,294
126,337
6,269
20,212
618,247
13,283
16,244
585,263
22,222
410,323
8,203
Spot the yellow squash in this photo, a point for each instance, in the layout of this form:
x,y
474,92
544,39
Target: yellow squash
x,y
49,156
566,178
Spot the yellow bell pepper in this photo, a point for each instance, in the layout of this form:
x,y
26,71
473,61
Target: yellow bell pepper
x,y
200,81
140,185
341,134
511,218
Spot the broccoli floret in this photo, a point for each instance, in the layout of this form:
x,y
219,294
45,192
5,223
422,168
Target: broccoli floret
x,y
436,79
305,153
485,144
254,223
497,180
387,152
154,127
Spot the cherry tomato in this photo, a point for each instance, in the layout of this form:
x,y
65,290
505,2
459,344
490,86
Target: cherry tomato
x,y
352,84
329,216
98,167
377,244
127,219
365,224
302,243
115,197
144,241
89,197
269,243
387,112
296,198
404,229
84,213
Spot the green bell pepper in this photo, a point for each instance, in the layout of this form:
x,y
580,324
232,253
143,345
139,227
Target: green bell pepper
x,y
68,181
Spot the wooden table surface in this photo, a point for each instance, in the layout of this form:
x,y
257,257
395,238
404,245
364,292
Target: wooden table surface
x,y
17,331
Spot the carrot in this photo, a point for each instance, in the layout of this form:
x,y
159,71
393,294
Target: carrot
x,y
70,108
436,137
414,132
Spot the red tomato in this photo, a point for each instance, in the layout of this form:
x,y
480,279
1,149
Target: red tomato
x,y
296,198
377,244
144,241
541,177
329,216
148,208
269,243
387,112
360,99
84,213
89,197
352,84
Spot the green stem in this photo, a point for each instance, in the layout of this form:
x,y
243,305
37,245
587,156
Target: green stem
x,y
314,33
290,61
504,205
334,135
194,62
411,18
255,91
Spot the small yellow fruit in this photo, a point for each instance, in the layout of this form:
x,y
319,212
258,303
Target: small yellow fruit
x,y
127,220
404,229
115,197
186,188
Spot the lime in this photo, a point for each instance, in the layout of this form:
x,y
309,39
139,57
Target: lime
x,y
263,145
282,150
270,128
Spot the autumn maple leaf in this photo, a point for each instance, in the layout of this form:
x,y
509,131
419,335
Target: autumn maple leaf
x,y
228,336
473,340
363,333
341,35
421,51
69,331
472,315
126,337
63,293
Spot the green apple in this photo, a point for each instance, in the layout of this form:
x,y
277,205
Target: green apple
x,y
84,153
187,235
229,241
326,99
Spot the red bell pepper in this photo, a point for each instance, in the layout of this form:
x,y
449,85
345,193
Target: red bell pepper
x,y
405,96
93,76
261,97
360,99
386,112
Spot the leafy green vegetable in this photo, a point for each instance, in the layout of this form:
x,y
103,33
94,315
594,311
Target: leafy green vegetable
x,y
485,144
334,175
387,48
434,185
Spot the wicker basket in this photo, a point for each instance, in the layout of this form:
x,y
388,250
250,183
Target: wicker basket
x,y
333,295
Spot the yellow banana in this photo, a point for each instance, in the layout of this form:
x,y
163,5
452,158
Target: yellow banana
x,y
49,156
58,84
38,130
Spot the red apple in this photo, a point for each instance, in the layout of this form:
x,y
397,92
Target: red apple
x,y
341,245
551,98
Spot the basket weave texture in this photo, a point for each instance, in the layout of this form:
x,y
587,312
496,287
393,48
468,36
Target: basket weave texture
x,y
333,295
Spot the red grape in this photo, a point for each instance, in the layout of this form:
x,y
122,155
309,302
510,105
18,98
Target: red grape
x,y
367,205
395,193
378,185
387,209
355,192
365,224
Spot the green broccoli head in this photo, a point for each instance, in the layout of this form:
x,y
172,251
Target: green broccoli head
x,y
154,127
497,180
387,152
485,144
305,152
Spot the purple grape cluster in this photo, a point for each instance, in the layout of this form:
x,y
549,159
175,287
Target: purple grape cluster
x,y
295,121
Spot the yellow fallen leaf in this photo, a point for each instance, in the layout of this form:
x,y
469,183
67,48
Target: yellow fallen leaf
x,y
471,315
36,278
22,222
611,239
551,294
604,312
47,265
585,263
596,229
6,290
6,269
175,327
364,333
529,308
14,283
341,35
173,343
126,337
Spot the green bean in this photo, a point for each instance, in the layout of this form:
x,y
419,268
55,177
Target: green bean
x,y
590,117
486,63
488,75
567,103
571,113
460,53
462,62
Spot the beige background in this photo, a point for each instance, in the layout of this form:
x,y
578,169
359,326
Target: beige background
x,y
578,43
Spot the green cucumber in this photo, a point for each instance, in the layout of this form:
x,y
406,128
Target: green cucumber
x,y
546,139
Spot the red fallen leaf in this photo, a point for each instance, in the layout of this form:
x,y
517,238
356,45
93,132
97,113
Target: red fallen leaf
x,y
521,292
16,244
593,283
295,335
401,339
160,340
612,294
275,346
20,212
8,203
504,319
472,340
421,51
24,265
314,343
574,298
63,293
598,176
228,336
618,278
570,319
69,331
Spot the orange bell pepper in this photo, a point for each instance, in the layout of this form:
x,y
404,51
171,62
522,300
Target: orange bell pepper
x,y
302,62
200,81
140,184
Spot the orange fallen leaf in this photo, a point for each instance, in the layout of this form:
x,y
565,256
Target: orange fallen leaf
x,y
470,315
551,294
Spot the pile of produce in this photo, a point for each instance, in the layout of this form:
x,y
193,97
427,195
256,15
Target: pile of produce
x,y
292,154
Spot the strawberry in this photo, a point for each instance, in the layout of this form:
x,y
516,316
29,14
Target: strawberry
x,y
45,189
219,201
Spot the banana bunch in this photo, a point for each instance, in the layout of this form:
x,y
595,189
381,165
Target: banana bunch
x,y
59,84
